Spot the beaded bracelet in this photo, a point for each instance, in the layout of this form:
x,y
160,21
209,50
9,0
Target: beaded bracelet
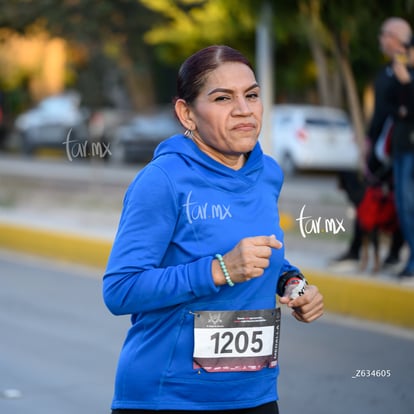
x,y
224,270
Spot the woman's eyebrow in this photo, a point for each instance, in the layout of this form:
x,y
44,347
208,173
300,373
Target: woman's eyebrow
x,y
224,90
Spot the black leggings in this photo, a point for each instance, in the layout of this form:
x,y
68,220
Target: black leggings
x,y
269,408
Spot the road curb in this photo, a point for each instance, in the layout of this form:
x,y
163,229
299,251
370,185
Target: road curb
x,y
66,246
364,298
369,299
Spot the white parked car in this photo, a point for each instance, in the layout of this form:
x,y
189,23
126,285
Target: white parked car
x,y
306,137
49,123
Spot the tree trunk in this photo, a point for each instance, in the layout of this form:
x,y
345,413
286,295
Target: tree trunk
x,y
139,84
323,77
311,20
353,100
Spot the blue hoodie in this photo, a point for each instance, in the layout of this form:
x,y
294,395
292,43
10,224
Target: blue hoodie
x,y
181,210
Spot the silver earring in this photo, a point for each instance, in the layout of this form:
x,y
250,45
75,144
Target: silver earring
x,y
189,133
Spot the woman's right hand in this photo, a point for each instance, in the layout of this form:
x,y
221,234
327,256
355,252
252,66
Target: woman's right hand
x,y
247,260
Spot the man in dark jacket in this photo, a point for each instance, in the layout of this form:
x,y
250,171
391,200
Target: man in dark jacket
x,y
403,150
394,35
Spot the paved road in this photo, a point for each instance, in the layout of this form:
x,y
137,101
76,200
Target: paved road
x,y
59,345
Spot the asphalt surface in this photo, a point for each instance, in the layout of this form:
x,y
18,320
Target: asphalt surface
x,y
59,347
58,344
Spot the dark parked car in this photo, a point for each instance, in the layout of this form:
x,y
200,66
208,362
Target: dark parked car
x,y
136,140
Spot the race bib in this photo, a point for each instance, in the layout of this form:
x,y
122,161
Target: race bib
x,y
227,341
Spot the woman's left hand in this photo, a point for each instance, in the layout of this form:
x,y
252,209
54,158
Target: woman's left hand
x,y
308,307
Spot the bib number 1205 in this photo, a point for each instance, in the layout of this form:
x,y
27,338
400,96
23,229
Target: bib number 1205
x,y
246,340
229,342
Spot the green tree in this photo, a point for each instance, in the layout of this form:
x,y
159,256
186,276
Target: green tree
x,y
106,34
352,39
189,25
323,45
332,44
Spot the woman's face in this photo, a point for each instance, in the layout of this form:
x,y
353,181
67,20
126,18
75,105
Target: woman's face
x,y
227,113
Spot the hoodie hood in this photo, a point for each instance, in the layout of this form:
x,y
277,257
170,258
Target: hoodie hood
x,y
211,170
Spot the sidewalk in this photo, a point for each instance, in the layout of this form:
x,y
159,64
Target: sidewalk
x,y
78,223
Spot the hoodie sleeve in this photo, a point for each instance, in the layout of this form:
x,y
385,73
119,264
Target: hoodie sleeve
x,y
134,280
287,267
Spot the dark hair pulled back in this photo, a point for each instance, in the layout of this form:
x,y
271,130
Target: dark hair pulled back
x,y
193,72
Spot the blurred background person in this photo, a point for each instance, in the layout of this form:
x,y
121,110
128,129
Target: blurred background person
x,y
394,35
403,149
